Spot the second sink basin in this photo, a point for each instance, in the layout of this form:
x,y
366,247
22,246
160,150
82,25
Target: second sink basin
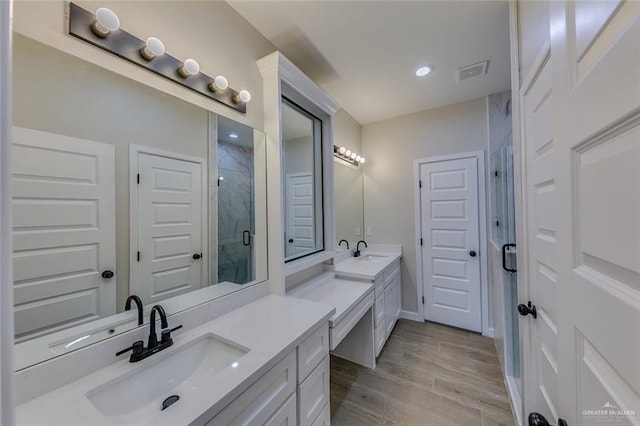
x,y
371,257
139,394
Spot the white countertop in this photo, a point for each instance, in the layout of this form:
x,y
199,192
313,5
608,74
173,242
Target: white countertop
x,y
270,328
341,294
355,267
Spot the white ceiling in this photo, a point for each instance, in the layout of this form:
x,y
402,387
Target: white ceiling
x,y
364,53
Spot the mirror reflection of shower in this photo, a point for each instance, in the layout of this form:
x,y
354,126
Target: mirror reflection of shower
x,y
236,210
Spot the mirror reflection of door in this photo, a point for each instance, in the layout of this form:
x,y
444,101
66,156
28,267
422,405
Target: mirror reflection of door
x,y
302,147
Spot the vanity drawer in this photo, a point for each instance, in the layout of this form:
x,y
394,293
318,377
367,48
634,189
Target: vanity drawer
x,y
286,415
341,329
380,337
324,419
313,394
391,271
378,309
258,403
312,351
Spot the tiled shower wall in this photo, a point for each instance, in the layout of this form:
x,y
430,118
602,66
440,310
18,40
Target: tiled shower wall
x,y
235,212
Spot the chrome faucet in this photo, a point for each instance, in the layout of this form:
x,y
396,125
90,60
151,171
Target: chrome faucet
x,y
345,241
136,299
357,253
139,352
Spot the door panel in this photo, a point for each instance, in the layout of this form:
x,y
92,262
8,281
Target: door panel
x,y
300,224
596,51
63,232
169,227
450,228
537,127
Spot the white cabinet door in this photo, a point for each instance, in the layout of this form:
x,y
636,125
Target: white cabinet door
x,y
595,56
287,415
389,309
397,290
450,231
170,224
64,231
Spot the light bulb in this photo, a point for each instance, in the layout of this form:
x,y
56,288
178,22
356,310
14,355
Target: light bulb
x,y
189,67
353,155
219,83
358,158
362,160
348,153
342,150
233,135
152,47
243,97
106,21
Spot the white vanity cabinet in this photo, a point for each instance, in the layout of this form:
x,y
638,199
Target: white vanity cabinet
x,y
387,300
293,392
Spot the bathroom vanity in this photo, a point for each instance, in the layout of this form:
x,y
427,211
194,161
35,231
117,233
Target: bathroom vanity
x,y
381,269
264,363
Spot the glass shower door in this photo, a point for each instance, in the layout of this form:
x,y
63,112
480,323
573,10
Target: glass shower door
x,y
512,329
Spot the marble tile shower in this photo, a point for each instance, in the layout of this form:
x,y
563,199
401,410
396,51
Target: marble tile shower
x,y
235,213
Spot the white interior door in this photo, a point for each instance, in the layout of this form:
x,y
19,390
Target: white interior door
x,y
301,236
451,240
170,258
542,267
64,231
595,51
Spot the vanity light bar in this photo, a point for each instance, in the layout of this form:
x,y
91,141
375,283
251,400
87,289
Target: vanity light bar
x,y
103,30
348,155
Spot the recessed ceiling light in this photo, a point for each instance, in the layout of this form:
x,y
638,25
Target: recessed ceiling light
x,y
233,135
424,71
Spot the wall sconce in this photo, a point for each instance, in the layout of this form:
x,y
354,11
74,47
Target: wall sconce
x,y
348,155
103,31
153,47
105,22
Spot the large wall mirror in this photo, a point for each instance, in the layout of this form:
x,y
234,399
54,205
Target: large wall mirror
x,y
349,203
302,180
119,190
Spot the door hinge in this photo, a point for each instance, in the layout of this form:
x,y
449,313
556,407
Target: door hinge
x,y
423,300
497,223
419,184
495,173
138,178
421,241
138,256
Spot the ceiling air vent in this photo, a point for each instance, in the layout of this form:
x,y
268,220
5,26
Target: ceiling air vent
x,y
472,71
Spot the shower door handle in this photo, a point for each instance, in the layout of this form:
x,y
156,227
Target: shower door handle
x,y
504,258
246,238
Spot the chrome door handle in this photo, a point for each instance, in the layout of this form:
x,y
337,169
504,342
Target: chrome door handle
x,y
504,257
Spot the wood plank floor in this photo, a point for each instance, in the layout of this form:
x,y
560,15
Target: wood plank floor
x,y
427,374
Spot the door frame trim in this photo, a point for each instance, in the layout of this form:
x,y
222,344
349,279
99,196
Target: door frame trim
x,y
134,151
479,156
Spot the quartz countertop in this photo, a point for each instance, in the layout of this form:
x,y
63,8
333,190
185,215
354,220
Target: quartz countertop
x,y
360,268
339,293
270,328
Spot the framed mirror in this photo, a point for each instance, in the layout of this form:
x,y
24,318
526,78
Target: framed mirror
x,y
119,190
302,180
349,201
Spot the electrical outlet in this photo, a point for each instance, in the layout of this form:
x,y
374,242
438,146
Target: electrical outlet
x,y
369,231
358,231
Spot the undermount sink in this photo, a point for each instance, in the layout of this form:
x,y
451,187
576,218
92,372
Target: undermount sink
x,y
140,394
371,257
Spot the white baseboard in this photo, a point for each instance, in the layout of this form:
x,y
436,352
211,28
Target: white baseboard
x,y
413,316
490,332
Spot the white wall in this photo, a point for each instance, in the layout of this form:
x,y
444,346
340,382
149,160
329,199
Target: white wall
x,y
390,148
